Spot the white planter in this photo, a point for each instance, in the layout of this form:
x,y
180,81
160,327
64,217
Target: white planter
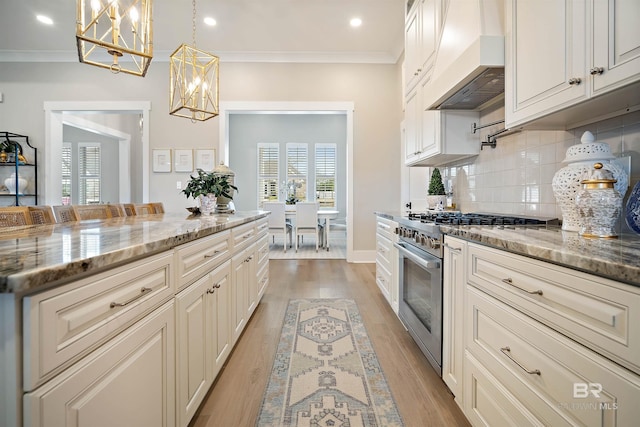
x,y
434,201
207,204
10,183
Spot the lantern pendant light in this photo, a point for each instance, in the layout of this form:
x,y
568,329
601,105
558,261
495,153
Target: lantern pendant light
x,y
194,81
115,34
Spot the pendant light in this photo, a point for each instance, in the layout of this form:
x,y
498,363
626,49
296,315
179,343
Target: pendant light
x,y
194,81
115,34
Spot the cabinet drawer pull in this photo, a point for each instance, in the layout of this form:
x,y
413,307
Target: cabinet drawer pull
x,y
507,352
452,248
212,290
213,254
122,304
596,70
575,80
508,281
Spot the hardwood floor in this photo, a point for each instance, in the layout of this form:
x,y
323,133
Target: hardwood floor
x,y
235,399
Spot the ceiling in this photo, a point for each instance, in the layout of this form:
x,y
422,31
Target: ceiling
x,y
246,30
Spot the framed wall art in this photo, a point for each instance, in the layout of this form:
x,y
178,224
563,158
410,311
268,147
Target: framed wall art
x,y
206,160
161,160
183,160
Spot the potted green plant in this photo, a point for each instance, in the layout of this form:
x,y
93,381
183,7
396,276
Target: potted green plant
x,y
436,195
207,187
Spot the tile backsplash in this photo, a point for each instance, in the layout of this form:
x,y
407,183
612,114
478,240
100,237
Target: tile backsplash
x,y
515,177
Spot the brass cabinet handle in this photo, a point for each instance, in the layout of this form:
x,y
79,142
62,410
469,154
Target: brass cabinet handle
x,y
508,281
507,352
122,304
446,245
213,254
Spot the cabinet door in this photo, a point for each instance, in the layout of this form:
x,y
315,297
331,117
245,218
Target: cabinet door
x,y
194,325
453,315
545,57
221,329
616,44
239,283
412,135
429,25
411,51
127,382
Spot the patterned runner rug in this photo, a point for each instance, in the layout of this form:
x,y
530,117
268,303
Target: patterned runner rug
x,y
325,371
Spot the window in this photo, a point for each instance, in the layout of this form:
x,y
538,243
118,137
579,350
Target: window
x,y
66,173
297,168
268,172
326,175
89,173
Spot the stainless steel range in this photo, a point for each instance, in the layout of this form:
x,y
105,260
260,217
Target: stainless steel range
x,y
420,249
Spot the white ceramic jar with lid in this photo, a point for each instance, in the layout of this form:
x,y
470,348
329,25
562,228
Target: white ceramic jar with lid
x,y
567,182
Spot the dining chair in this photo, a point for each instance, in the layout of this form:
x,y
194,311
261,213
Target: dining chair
x,y
14,215
116,210
84,212
144,209
65,213
42,215
278,222
307,222
129,209
158,207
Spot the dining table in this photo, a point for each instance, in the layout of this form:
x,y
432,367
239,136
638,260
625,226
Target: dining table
x,y
323,214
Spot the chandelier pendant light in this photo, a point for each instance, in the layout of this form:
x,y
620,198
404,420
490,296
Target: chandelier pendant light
x,y
115,34
194,81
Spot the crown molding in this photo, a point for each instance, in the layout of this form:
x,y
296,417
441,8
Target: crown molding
x,y
273,56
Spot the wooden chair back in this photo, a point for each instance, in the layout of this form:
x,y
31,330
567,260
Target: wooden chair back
x,y
12,216
129,209
158,206
144,209
65,213
116,210
42,215
84,212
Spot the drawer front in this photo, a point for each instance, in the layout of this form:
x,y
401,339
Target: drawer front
x,y
386,228
262,227
263,251
197,258
383,279
384,251
552,374
595,311
243,235
64,323
488,403
263,279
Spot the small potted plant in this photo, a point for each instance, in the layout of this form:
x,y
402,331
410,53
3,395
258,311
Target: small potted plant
x,y
207,188
437,197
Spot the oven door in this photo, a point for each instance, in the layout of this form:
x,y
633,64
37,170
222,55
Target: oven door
x,y
421,300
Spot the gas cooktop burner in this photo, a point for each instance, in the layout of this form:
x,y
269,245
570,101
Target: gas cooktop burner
x,y
457,218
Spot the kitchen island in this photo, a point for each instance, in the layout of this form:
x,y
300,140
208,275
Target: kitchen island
x,y
126,320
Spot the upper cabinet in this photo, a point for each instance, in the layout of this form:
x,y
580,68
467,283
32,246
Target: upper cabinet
x,y
421,34
569,62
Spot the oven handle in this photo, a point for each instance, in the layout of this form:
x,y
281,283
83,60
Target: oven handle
x,y
426,264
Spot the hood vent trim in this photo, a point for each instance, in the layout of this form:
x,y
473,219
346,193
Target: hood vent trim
x,y
482,89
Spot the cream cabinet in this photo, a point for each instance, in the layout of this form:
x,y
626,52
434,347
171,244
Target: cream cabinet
x,y
127,382
387,260
422,28
453,290
242,293
554,78
438,137
541,344
202,338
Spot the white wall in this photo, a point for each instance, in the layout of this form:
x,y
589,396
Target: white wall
x,y
374,90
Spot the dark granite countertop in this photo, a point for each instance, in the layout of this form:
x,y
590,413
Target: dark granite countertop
x,y
35,257
616,259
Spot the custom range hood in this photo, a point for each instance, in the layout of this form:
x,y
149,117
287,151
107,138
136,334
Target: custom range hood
x,y
469,67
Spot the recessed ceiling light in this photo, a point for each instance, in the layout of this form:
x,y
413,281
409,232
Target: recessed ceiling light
x,y
44,19
210,21
355,22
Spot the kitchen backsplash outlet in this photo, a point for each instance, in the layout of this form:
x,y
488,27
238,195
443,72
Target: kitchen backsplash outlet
x,y
515,177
